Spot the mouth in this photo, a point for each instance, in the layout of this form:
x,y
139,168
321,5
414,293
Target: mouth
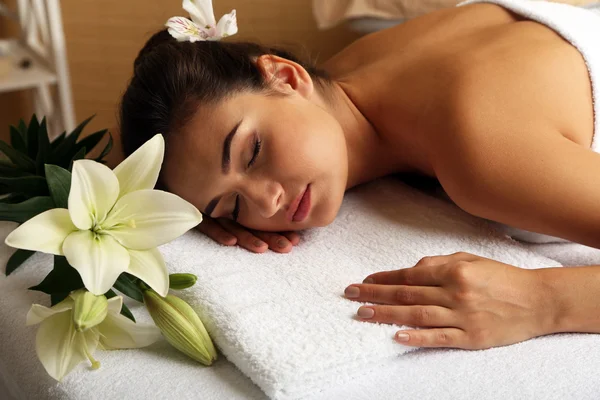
x,y
300,208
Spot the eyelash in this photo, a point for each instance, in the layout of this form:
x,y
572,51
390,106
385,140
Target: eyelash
x,y
257,146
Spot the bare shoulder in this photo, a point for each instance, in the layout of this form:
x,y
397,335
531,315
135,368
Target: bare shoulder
x,y
522,84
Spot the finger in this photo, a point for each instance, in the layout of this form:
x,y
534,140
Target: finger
x,y
216,232
423,273
244,237
423,316
406,276
276,242
439,337
399,294
293,237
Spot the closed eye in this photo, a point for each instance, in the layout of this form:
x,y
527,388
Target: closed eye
x,y
257,146
236,210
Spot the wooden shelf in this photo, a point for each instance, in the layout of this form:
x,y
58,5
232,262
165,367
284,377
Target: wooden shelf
x,y
25,78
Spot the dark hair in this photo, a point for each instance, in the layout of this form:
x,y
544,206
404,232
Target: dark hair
x,y
172,78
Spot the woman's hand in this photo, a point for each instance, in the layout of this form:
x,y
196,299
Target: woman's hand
x,y
464,300
230,233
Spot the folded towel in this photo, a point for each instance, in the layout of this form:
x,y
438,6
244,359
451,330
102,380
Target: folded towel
x,y
283,321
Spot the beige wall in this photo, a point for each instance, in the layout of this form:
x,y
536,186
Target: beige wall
x,y
104,36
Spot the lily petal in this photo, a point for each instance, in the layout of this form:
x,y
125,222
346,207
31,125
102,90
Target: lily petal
x,y
119,332
145,219
45,232
183,30
115,304
140,170
94,190
201,12
99,259
227,25
149,266
59,347
38,313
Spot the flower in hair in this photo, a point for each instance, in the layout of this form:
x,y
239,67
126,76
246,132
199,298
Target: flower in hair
x,y
203,25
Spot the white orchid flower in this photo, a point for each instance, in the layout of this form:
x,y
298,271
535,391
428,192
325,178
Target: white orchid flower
x,y
203,25
114,222
60,346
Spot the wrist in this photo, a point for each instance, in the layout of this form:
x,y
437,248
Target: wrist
x,y
552,302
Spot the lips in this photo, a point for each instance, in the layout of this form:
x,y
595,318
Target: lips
x,y
300,208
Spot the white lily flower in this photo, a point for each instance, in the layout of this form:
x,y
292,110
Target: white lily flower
x,y
203,25
114,222
61,347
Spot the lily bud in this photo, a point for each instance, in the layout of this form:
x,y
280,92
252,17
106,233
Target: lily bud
x,y
182,281
88,309
181,326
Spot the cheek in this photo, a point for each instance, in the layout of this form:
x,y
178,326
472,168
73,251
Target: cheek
x,y
306,149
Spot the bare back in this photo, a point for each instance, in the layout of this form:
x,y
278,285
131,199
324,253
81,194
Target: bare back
x,y
419,83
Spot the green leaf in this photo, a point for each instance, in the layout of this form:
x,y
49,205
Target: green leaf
x,y
126,312
58,140
16,140
91,141
56,298
62,279
59,184
79,156
106,150
124,309
22,127
29,185
32,137
20,160
12,171
66,147
127,286
43,154
28,209
18,258
13,198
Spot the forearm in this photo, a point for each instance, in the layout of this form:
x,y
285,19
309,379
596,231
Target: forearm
x,y
573,295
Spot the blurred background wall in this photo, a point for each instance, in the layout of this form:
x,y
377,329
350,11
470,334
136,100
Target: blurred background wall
x,y
104,36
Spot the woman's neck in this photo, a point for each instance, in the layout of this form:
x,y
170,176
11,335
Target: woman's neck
x,y
370,156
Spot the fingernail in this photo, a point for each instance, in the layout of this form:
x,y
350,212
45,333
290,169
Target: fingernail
x,y
281,243
402,337
365,312
369,280
352,292
259,243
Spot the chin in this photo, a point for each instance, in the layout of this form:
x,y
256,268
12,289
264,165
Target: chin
x,y
325,218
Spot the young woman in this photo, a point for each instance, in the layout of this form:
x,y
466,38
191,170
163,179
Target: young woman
x,y
496,107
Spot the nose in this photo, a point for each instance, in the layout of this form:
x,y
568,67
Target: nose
x,y
266,195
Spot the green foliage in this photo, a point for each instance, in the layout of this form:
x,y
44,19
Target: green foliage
x,y
36,176
124,309
62,279
127,285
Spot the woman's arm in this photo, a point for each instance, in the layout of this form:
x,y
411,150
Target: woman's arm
x,y
574,295
532,177
526,175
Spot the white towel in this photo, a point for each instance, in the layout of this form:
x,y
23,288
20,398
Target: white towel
x,y
282,320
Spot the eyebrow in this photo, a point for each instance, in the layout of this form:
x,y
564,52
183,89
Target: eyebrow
x,y
225,165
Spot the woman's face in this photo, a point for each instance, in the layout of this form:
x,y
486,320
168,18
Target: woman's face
x,y
277,163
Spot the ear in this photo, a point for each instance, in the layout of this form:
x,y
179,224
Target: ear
x,y
285,75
